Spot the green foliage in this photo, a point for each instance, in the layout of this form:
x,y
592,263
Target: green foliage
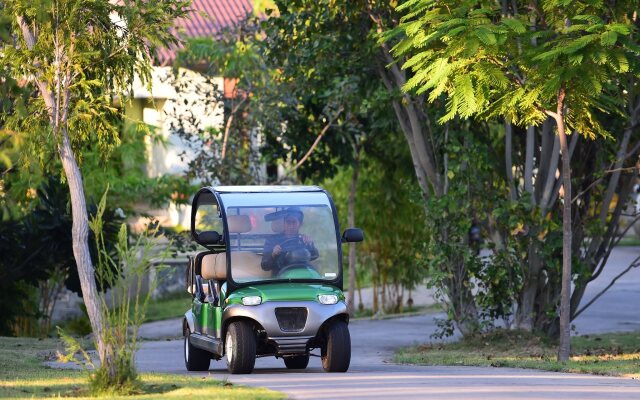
x,y
230,154
37,245
389,210
97,63
24,376
455,268
613,354
521,228
125,307
521,63
327,80
124,169
492,65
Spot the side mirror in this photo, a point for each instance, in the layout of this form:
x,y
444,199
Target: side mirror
x,y
352,235
209,238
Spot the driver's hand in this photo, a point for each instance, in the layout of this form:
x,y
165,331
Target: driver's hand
x,y
276,250
307,240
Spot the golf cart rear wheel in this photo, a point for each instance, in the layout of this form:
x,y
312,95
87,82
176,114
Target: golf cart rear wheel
x,y
297,362
195,359
240,348
336,353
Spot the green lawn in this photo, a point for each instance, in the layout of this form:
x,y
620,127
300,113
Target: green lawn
x,y
22,374
616,354
630,241
173,305
368,313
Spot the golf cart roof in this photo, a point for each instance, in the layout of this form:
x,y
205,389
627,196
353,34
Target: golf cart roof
x,y
265,189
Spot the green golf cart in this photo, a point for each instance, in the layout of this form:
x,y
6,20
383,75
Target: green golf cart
x,y
270,281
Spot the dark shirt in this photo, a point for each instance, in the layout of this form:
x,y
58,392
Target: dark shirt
x,y
270,263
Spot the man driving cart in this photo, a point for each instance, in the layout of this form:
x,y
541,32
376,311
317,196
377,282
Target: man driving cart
x,y
289,247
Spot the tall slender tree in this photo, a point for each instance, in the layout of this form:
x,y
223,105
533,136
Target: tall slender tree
x,y
79,57
556,58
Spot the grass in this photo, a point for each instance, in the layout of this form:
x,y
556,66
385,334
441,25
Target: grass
x,y
173,305
22,374
368,313
629,241
615,354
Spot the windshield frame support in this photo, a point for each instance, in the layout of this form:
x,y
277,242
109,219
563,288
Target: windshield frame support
x,y
233,285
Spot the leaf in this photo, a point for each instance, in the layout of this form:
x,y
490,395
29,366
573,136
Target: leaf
x,y
486,36
621,29
515,25
578,44
608,38
466,97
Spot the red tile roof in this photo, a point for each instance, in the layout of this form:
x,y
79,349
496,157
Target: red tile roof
x,y
221,14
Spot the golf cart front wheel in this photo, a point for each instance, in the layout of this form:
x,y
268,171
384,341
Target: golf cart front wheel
x,y
240,348
336,352
195,359
297,362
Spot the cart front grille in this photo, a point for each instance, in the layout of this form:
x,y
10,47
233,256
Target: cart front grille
x,y
291,319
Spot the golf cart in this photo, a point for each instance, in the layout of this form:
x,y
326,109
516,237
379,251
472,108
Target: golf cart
x,y
270,281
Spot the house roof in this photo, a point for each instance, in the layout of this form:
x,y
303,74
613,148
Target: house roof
x,y
218,14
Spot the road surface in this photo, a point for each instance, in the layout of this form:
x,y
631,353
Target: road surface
x,y
372,375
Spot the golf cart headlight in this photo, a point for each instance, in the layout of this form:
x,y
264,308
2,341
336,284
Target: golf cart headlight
x,y
251,300
328,298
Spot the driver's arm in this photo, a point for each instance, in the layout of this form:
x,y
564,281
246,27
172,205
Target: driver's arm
x,y
268,262
312,250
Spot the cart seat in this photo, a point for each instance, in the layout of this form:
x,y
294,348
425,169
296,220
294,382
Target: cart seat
x,y
245,264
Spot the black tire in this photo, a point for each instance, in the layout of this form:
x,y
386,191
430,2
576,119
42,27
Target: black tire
x,y
240,348
195,359
297,362
336,352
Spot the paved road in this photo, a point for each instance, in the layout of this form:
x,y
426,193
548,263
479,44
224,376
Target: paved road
x,y
618,309
372,375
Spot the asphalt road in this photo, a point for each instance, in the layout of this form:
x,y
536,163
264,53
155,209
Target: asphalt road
x,y
372,375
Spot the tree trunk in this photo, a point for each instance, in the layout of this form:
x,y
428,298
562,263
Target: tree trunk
x,y
352,222
528,166
80,237
565,296
80,227
508,149
526,314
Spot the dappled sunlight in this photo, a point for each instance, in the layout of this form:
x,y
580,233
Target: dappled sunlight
x,y
50,383
48,387
608,357
153,385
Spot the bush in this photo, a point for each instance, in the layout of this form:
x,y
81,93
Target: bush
x,y
123,311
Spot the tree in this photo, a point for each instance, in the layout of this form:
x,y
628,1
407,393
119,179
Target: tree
x,y
332,111
37,252
318,38
77,56
230,154
489,64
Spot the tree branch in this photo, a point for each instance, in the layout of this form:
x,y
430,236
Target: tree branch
x,y
227,127
30,41
508,151
313,146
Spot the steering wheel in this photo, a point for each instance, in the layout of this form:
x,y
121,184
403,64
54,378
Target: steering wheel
x,y
294,255
290,267
287,247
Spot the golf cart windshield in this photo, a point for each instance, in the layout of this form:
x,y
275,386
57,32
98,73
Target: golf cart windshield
x,y
276,236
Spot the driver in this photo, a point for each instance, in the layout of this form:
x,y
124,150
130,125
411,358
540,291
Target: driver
x,y
274,249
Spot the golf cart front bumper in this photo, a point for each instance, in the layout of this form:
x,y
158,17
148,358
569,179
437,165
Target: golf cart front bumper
x,y
283,321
